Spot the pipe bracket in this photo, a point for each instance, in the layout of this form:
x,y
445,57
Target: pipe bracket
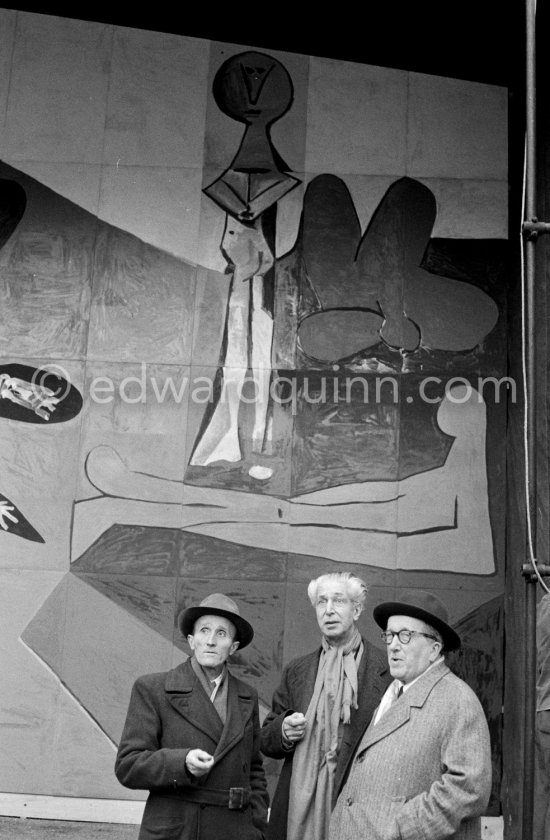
x,y
528,572
533,229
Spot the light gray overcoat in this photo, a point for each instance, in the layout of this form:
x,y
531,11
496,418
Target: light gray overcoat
x,y
423,772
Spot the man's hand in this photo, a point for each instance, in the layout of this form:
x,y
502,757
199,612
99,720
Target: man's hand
x,y
294,727
199,762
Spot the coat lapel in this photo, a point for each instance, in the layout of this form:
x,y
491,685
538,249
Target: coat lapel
x,y
185,693
240,707
398,714
304,682
372,682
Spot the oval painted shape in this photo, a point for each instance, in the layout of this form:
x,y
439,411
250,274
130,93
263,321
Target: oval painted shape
x,y
338,333
68,399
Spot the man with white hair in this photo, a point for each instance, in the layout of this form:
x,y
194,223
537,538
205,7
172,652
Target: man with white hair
x,y
320,710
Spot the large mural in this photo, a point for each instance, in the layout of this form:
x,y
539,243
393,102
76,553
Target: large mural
x,y
320,386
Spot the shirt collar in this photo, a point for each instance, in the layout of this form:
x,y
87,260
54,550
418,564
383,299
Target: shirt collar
x,y
220,678
208,684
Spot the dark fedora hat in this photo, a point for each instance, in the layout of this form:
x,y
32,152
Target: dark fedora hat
x,y
217,604
424,606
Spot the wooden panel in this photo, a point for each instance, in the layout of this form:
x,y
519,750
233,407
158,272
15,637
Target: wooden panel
x,y
70,808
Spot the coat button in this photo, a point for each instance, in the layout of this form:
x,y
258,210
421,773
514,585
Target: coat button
x,y
349,801
203,806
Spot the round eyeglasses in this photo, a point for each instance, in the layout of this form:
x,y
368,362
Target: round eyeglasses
x,y
404,636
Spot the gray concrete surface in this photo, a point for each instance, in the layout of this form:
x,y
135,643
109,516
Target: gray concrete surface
x,y
13,828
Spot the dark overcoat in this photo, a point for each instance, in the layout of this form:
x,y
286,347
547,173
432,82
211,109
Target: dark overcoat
x,y
293,695
168,715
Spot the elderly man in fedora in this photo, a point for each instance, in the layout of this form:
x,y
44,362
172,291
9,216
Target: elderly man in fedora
x,y
320,709
191,737
423,765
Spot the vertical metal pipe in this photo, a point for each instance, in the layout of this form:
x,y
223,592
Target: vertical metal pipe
x,y
530,266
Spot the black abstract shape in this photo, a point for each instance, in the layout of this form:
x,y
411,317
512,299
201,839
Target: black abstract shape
x,y
383,272
330,233
479,663
13,522
13,201
68,406
255,89
484,262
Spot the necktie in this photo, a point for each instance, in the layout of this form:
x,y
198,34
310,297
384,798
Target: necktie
x,y
215,685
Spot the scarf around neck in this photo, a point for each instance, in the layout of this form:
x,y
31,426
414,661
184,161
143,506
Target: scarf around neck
x,y
315,757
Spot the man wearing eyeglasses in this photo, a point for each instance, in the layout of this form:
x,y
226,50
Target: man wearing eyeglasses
x,y
423,765
320,710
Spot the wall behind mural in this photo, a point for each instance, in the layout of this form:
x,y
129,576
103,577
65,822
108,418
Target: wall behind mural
x,y
252,329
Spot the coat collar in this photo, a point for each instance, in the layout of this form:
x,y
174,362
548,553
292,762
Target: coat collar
x,y
187,696
400,712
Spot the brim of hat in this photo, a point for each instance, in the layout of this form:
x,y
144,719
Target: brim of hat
x,y
382,612
187,619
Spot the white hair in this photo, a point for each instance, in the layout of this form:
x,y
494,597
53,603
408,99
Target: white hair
x,y
355,586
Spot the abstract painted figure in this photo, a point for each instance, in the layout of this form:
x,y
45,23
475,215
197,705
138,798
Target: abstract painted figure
x,y
371,287
32,395
256,90
438,519
27,394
